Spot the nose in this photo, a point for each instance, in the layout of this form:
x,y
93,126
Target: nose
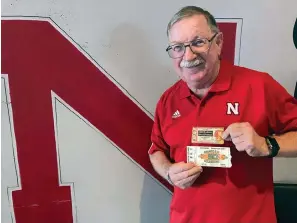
x,y
189,55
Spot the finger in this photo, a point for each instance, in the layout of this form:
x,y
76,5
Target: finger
x,y
234,134
252,152
227,137
178,176
187,181
192,171
186,174
238,139
231,129
227,133
241,146
181,167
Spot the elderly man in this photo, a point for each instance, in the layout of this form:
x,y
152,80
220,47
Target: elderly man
x,y
257,118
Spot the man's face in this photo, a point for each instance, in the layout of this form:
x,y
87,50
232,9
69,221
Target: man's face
x,y
196,69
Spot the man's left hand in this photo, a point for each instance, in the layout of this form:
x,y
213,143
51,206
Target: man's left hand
x,y
246,139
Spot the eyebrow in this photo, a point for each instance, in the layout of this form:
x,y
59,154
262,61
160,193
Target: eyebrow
x,y
195,37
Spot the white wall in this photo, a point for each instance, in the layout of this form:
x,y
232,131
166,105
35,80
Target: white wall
x,y
9,165
128,40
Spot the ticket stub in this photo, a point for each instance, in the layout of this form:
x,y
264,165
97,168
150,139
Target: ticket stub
x,y
207,135
209,156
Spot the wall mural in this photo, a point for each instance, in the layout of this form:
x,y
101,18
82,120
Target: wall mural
x,y
40,64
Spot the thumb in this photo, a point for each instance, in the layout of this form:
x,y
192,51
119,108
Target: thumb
x,y
226,135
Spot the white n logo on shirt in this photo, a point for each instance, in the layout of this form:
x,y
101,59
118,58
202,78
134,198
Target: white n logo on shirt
x,y
232,108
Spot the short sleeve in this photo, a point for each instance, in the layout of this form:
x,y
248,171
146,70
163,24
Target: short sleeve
x,y
158,142
282,107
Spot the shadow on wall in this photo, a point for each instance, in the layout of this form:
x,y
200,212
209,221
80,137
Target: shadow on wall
x,y
134,57
155,201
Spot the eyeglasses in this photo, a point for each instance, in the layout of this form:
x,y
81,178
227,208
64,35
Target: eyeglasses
x,y
199,45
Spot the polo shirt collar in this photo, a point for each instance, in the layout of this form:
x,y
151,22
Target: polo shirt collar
x,y
222,82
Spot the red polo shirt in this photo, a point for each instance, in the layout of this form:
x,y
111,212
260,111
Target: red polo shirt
x,y
244,192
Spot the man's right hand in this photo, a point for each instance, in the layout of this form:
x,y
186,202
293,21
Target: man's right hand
x,y
184,174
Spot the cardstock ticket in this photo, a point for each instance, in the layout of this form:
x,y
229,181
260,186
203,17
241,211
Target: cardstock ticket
x,y
207,135
209,156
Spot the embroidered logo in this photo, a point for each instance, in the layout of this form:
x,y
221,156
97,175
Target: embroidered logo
x,y
232,108
176,114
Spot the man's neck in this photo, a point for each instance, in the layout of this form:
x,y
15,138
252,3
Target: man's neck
x,y
200,93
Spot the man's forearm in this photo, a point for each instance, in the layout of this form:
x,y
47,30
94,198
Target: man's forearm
x,y
160,163
288,144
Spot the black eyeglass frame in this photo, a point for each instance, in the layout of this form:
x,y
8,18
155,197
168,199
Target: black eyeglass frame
x,y
188,44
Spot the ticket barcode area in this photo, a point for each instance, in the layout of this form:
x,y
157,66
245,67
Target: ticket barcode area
x,y
205,133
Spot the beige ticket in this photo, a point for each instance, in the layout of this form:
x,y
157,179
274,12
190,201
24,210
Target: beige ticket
x,y
209,156
207,135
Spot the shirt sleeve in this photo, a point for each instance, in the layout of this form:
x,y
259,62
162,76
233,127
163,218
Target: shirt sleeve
x,y
282,108
158,142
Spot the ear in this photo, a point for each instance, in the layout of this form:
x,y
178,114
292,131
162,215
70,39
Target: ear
x,y
219,41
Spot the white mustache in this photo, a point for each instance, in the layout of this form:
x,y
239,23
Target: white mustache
x,y
189,64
